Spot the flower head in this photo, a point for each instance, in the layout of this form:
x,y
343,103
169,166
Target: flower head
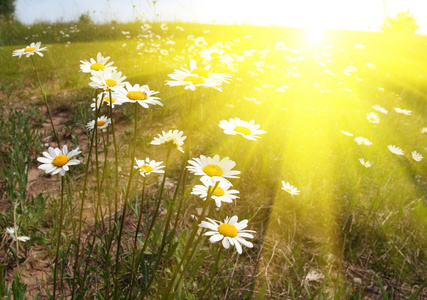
x,y
33,48
107,79
141,94
56,161
147,166
101,123
248,130
424,130
287,187
416,156
380,109
395,150
403,111
196,77
213,167
221,193
362,141
104,98
230,232
11,232
373,117
171,138
366,164
346,133
99,64
216,55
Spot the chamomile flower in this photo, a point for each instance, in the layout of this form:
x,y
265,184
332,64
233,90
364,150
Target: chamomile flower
x,y
287,187
230,232
366,164
99,64
222,192
424,130
102,123
56,161
216,55
13,236
200,42
147,166
196,77
395,150
403,111
141,94
171,138
416,156
373,117
346,133
33,48
104,98
249,130
380,109
107,79
213,167
362,141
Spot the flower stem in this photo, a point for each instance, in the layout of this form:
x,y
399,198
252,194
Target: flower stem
x,y
45,102
58,239
213,272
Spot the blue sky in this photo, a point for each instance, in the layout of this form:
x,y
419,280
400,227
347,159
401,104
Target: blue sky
x,y
339,14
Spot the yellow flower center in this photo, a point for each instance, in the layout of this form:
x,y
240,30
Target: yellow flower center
x,y
97,67
242,129
136,95
107,99
60,160
227,230
288,190
212,170
200,72
146,169
110,82
217,192
194,79
215,54
100,123
30,49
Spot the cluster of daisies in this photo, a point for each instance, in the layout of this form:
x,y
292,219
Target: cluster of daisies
x,y
374,118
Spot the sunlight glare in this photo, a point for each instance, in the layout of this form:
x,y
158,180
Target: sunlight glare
x,y
315,35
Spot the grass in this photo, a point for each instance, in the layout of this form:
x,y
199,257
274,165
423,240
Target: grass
x,y
352,233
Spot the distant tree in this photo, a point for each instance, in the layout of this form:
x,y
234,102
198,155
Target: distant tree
x,y
404,22
84,18
7,8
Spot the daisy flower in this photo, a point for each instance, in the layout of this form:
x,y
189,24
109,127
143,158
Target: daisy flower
x,y
395,150
216,55
346,133
57,161
11,232
380,109
99,64
362,141
200,42
416,156
102,123
196,77
29,50
286,186
222,192
147,166
107,79
104,98
230,232
171,138
424,130
141,94
403,111
213,167
373,117
366,164
249,130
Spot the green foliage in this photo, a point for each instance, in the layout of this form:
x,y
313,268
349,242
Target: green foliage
x,y
404,22
7,8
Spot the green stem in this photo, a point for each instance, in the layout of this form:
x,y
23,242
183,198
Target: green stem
x,y
213,272
58,239
45,102
116,191
131,172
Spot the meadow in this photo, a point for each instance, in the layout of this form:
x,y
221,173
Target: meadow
x,y
332,182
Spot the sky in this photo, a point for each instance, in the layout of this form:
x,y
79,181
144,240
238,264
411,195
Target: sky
x,y
364,15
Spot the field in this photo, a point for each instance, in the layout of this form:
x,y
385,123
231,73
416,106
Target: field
x,y
327,224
